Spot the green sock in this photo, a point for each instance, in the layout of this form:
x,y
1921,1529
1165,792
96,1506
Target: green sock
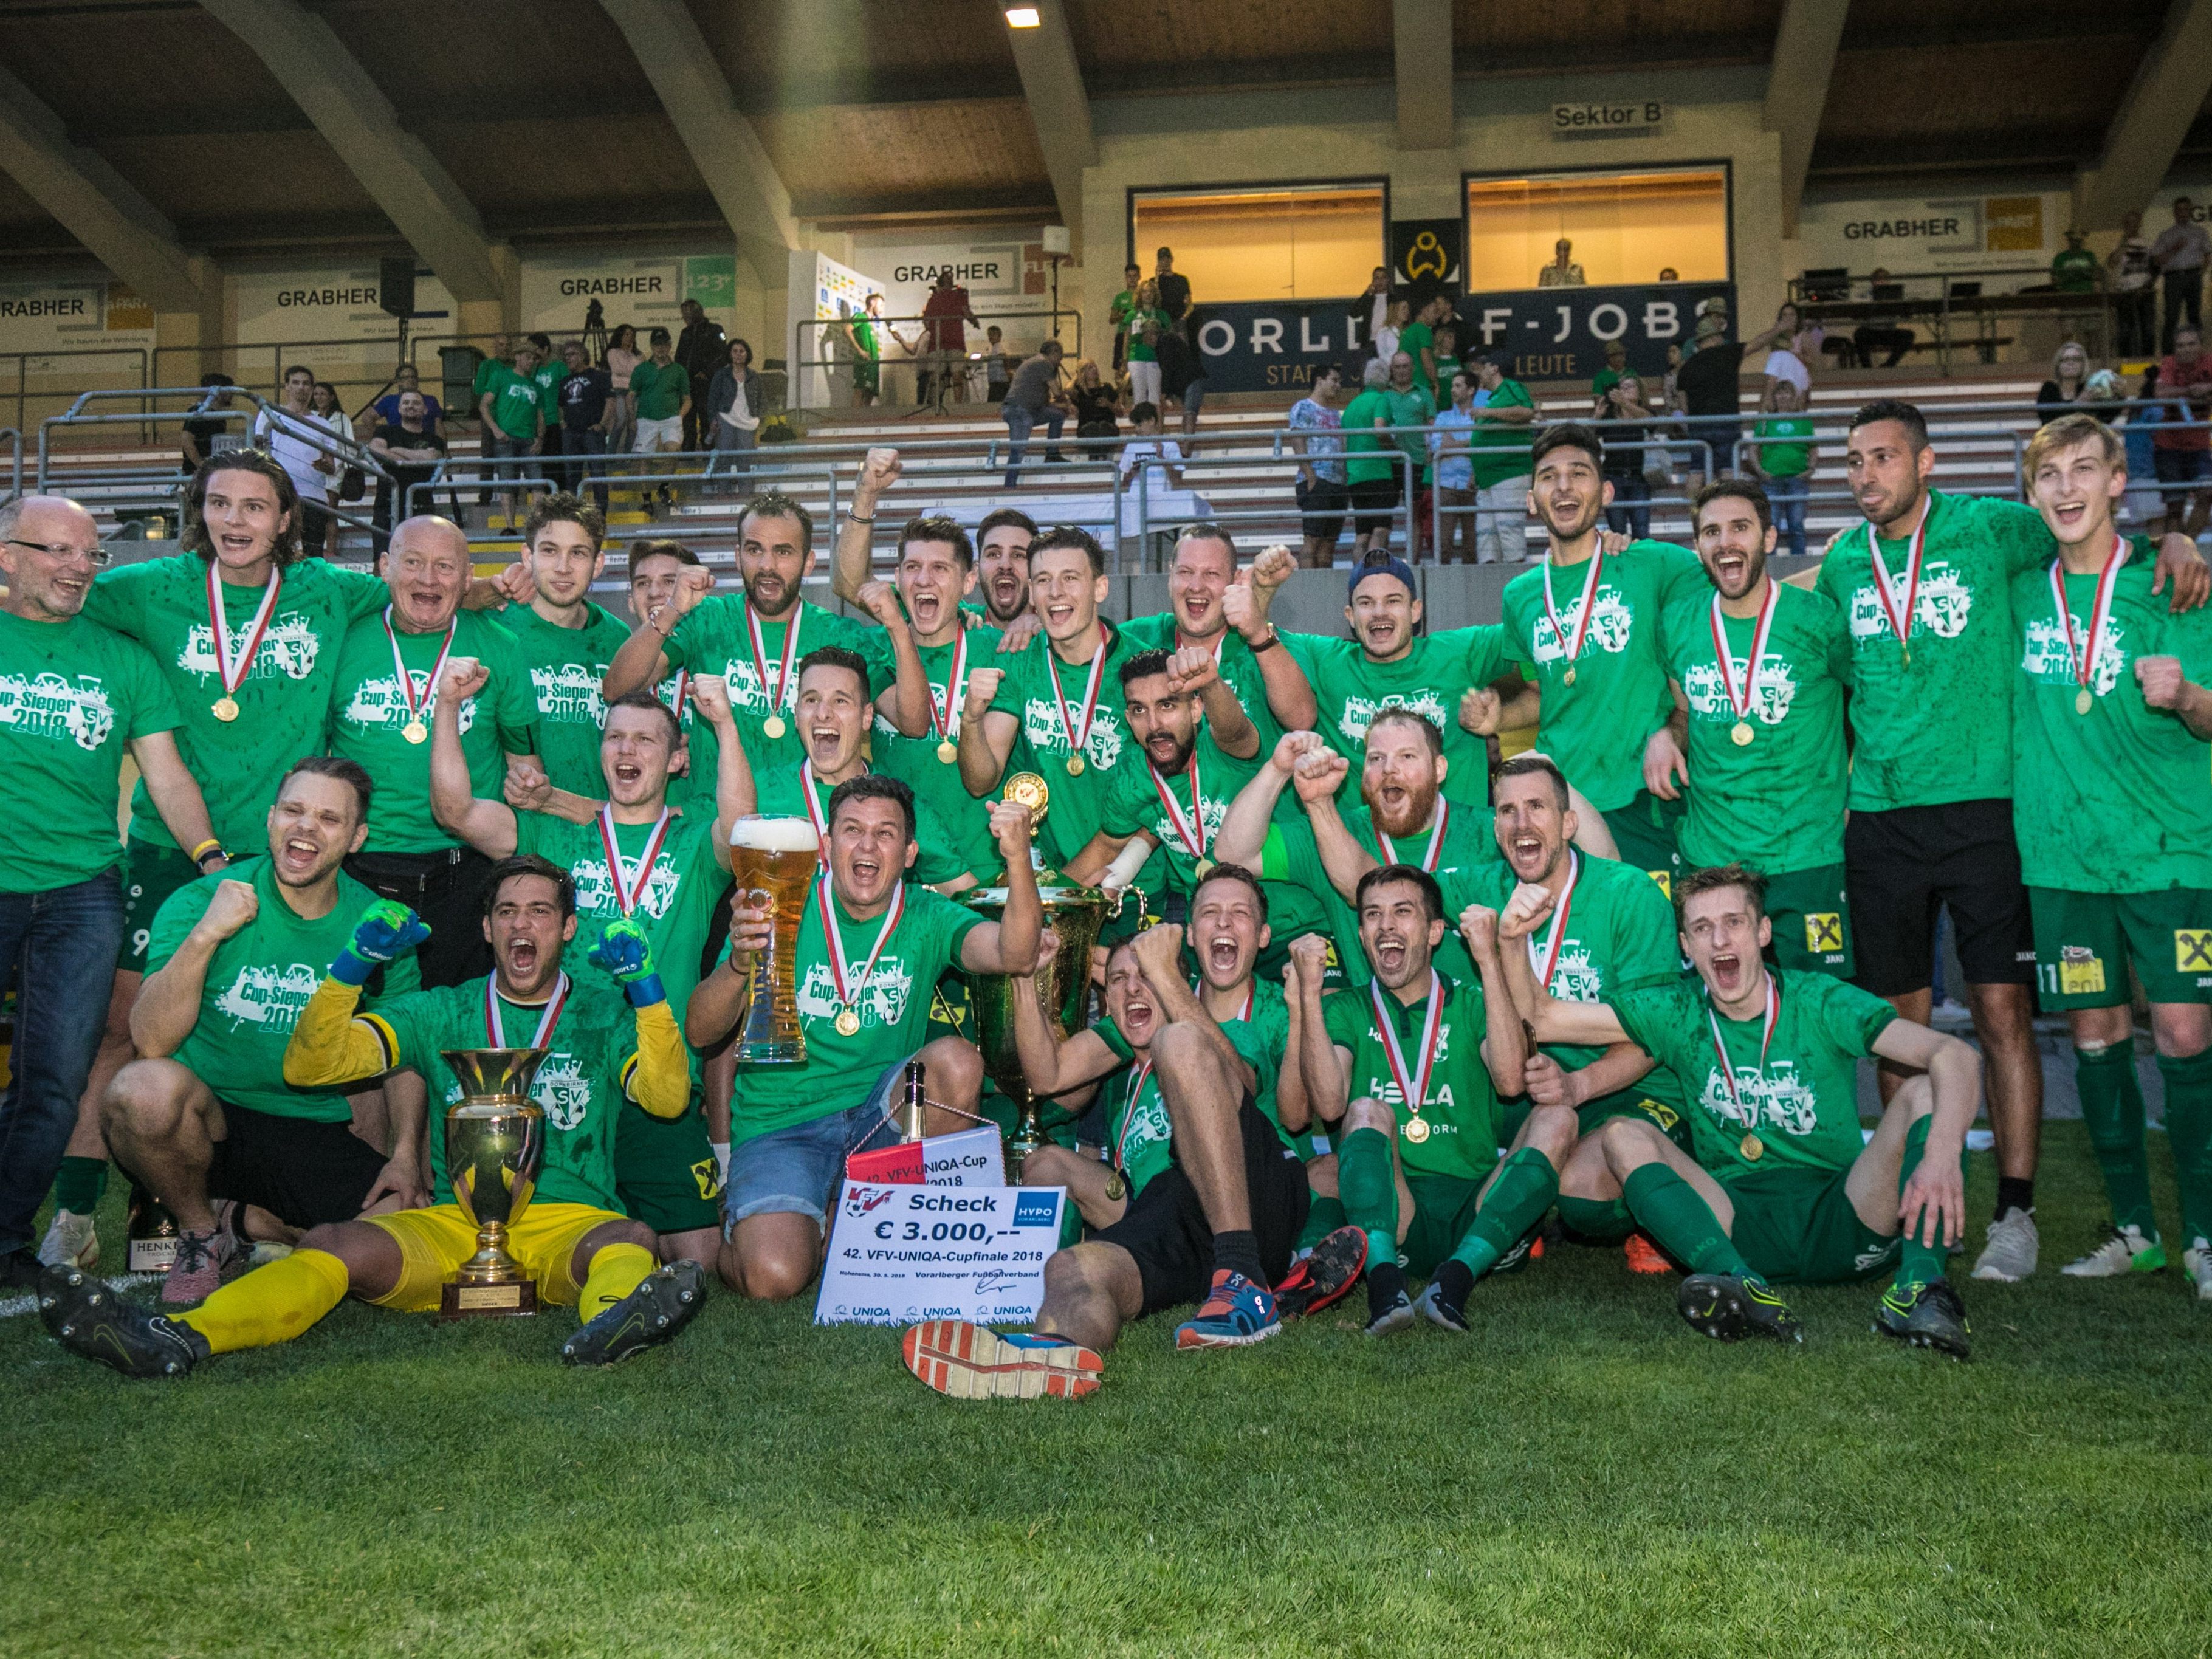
x,y
2113,1109
1596,1220
1324,1215
1683,1222
1525,1187
1921,1264
1369,1189
79,1183
2189,1130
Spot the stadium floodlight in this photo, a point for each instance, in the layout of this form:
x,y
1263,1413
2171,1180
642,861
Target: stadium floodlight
x,y
1021,17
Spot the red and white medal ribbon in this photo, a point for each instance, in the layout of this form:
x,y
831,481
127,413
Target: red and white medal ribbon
x,y
1574,649
231,670
1077,742
416,705
1741,703
1897,607
947,718
682,684
1198,990
835,945
1765,1040
1137,1082
2080,655
1436,839
758,642
1190,831
811,796
1412,1088
1545,961
629,892
546,1021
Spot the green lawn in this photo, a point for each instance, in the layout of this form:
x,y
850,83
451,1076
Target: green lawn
x,y
1579,1476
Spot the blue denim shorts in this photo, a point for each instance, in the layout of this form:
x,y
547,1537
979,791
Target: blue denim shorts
x,y
795,1170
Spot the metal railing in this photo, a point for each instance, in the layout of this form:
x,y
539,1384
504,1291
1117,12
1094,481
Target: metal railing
x,y
23,394
14,440
832,358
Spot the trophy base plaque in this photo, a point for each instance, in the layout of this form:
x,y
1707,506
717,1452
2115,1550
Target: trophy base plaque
x,y
511,1299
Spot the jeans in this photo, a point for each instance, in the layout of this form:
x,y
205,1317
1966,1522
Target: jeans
x,y
1501,521
733,448
581,442
1629,515
2185,294
1020,423
59,947
795,1170
1720,433
504,460
2135,322
1788,495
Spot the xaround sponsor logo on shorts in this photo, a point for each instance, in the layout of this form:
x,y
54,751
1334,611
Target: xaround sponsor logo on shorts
x,y
1824,933
2192,952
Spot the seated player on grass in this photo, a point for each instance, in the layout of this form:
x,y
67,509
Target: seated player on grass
x,y
571,1240
1413,1067
1782,1187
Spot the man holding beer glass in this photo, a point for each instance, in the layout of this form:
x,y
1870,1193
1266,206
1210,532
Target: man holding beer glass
x,y
859,947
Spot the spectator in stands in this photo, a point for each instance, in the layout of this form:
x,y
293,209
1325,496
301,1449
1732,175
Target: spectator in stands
x,y
2180,254
661,388
1397,311
410,446
1160,496
1147,322
2104,396
1630,514
1453,471
997,370
1182,374
512,417
1670,391
1369,468
623,358
1411,406
1668,274
1322,492
1098,407
1869,337
700,350
1373,307
1710,388
946,316
1785,468
547,375
1418,340
1174,287
201,431
323,400
2145,506
1118,313
2184,453
404,379
867,352
1787,359
487,375
299,442
1448,363
2069,376
1616,365
1034,398
2074,269
1501,460
587,414
733,400
1563,271
2133,281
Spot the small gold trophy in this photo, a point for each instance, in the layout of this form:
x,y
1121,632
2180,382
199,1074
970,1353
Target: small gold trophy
x,y
494,1142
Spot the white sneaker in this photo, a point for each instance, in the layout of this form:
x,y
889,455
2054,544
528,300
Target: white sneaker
x,y
2010,1255
2197,1262
69,1242
2127,1251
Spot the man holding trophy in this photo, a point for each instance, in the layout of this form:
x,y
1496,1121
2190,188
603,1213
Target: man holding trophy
x,y
829,973
588,1052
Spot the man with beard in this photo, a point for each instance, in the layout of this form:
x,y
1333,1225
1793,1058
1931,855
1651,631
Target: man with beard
x,y
754,640
1200,1200
1765,771
1409,1074
1000,594
574,1245
206,1120
1923,588
870,947
1214,607
566,640
1403,818
1780,1186
1585,625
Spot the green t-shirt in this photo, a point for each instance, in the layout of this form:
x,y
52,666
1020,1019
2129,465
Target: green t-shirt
x,y
1411,339
2073,270
1239,667
1367,457
1499,449
1351,689
487,372
1785,460
72,697
2119,799
566,666
690,788
1596,728
677,909
1776,803
257,981
1802,1104
1606,380
1123,304
783,794
369,716
516,403
1939,729
1619,937
1142,350
284,702
1078,801
840,1071
712,639
1467,1124
1261,1040
936,783
581,1084
659,389
1414,407
549,376
1139,1136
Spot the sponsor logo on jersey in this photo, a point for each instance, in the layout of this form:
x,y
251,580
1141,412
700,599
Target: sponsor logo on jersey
x,y
268,996
1946,600
2080,971
48,706
569,692
595,889
288,650
376,702
2047,657
563,1090
1777,1099
1769,703
1041,725
1611,621
883,1003
1360,712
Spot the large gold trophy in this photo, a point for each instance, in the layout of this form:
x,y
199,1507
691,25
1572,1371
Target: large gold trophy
x,y
774,861
494,1143
1075,914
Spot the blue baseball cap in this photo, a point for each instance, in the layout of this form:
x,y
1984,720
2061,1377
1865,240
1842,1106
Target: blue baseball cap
x,y
1387,565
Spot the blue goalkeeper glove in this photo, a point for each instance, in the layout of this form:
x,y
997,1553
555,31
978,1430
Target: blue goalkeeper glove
x,y
386,928
624,952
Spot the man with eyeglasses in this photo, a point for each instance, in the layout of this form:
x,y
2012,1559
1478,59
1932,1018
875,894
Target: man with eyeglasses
x,y
73,697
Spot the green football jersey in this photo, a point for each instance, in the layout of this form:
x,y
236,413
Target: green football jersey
x,y
566,667
936,782
1139,1136
1460,1105
1262,1037
1078,800
1351,689
675,904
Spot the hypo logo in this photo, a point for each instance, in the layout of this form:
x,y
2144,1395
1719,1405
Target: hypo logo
x,y
1035,1210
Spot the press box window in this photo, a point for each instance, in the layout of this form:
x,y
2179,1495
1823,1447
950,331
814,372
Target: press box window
x,y
1297,242
1626,227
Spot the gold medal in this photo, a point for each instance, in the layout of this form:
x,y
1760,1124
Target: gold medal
x,y
1742,734
225,709
772,727
1752,1147
1416,1130
2083,702
1116,1189
1568,678
948,752
848,1022
1075,766
414,732
1204,868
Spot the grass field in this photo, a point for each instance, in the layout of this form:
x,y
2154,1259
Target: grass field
x,y
1579,1476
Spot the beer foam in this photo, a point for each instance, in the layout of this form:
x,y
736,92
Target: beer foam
x,y
764,834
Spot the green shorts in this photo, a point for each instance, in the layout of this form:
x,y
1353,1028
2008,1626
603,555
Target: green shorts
x,y
1443,1209
151,874
1645,831
665,1170
1797,1227
2084,942
1622,1102
1812,920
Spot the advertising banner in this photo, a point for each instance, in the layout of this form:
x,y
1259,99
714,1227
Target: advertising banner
x,y
1560,333
645,291
903,1252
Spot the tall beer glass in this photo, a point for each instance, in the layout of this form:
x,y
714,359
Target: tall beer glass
x,y
775,860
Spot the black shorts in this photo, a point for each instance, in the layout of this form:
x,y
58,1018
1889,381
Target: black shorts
x,y
446,889
1322,503
1166,1228
1901,867
302,1171
1373,501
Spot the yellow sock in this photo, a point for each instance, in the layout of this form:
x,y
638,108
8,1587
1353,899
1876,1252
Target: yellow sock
x,y
270,1305
616,1271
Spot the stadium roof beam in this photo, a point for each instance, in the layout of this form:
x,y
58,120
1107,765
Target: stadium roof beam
x,y
92,202
724,147
1423,34
359,122
1059,106
1798,90
2147,131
